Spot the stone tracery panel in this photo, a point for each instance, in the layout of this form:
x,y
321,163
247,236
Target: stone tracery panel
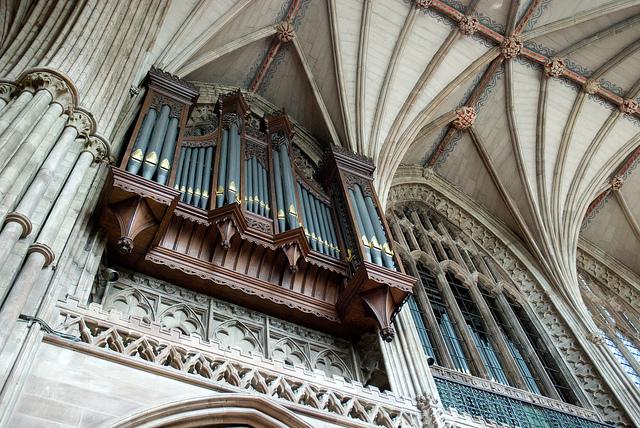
x,y
231,326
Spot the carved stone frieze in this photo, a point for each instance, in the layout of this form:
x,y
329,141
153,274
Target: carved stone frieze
x,y
554,67
511,46
560,333
60,87
196,314
465,117
138,343
607,277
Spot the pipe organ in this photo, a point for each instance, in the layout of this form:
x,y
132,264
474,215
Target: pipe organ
x,y
218,199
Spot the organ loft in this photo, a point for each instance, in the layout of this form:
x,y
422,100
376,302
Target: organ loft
x,y
319,213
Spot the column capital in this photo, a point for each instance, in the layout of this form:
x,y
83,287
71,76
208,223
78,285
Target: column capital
x,y
7,90
45,250
83,121
22,220
60,86
99,148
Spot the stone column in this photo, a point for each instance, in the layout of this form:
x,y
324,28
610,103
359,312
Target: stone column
x,y
406,363
24,114
40,254
17,223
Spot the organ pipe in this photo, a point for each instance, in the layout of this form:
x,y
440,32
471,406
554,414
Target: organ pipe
x,y
206,188
168,150
142,141
279,191
197,192
192,175
222,171
185,174
387,258
155,143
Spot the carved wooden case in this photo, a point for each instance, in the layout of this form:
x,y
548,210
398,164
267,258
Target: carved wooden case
x,y
241,214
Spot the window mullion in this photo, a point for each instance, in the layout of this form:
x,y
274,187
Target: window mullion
x,y
527,347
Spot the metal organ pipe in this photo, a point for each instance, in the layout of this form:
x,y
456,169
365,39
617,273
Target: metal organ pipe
x,y
387,258
140,146
176,185
197,192
168,150
192,175
368,226
277,175
248,180
155,144
366,249
206,187
265,191
233,165
222,171
291,212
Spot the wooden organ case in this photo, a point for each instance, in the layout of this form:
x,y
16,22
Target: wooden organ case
x,y
230,206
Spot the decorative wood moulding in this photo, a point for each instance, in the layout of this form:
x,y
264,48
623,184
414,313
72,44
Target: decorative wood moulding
x,y
237,211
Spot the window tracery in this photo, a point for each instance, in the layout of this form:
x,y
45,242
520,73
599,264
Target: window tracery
x,y
617,323
467,313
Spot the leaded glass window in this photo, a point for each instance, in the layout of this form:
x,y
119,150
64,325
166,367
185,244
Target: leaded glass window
x,y
476,326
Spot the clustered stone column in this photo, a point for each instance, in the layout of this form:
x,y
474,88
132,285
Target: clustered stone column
x,y
40,126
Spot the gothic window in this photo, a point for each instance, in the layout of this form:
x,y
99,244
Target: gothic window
x,y
616,322
468,321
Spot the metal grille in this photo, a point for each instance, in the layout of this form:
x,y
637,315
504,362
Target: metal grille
x,y
505,410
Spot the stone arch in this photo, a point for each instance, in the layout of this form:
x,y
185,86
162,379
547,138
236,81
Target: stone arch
x,y
290,352
255,411
235,333
180,316
328,361
131,302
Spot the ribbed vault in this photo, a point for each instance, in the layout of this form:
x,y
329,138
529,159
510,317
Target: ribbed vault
x,y
551,89
530,107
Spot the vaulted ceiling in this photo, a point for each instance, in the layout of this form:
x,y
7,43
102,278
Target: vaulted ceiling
x,y
551,88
